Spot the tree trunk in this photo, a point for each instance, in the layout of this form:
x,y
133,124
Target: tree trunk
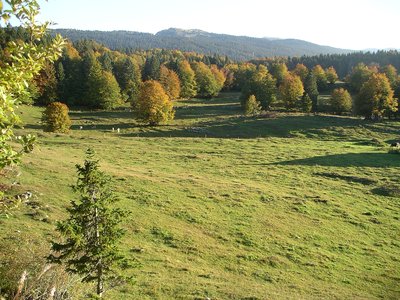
x,y
100,287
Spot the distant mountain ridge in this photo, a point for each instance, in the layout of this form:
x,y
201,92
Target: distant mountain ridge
x,y
235,47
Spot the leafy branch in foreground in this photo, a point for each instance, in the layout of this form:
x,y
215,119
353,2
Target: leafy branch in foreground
x,y
24,60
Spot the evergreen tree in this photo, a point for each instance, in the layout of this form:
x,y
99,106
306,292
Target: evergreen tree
x,y
151,69
128,76
306,103
106,62
102,89
187,79
92,230
311,89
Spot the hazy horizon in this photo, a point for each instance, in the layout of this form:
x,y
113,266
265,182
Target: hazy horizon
x,y
355,25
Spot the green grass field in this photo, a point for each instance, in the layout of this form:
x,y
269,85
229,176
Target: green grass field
x,y
230,207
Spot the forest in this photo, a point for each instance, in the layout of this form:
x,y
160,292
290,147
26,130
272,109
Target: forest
x,y
204,176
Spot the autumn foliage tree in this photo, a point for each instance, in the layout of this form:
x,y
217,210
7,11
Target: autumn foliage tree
x,y
252,106
375,98
187,79
56,118
340,101
358,76
320,76
170,82
301,71
207,85
291,91
331,75
153,105
262,85
24,60
219,76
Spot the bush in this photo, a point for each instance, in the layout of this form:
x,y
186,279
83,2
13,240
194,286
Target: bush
x,y
56,118
252,106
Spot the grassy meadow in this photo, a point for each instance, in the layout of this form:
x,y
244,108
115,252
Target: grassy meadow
x,y
281,206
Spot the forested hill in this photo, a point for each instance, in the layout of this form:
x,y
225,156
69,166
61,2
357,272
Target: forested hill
x,y
235,47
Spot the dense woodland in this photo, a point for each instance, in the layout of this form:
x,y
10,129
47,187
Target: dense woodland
x,y
239,48
91,75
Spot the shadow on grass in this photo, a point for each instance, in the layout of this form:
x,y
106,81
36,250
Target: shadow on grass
x,y
253,127
374,160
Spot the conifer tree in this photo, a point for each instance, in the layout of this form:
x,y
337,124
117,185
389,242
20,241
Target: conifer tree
x,y
128,76
306,103
92,231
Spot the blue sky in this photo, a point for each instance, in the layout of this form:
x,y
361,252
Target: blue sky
x,y
352,24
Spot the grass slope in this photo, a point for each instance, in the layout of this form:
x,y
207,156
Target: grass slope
x,y
228,207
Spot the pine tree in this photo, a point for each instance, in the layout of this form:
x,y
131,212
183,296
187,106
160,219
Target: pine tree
x,y
306,103
92,230
128,76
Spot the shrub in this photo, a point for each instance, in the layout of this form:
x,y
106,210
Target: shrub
x,y
252,106
56,118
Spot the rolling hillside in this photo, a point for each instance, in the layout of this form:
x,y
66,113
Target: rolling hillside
x,y
235,47
290,206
